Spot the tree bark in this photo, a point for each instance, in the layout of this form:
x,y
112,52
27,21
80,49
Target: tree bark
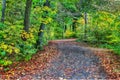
x,y
74,25
65,28
3,10
85,30
27,15
40,35
41,29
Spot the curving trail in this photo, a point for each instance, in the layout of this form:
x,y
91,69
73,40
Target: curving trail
x,y
62,59
73,62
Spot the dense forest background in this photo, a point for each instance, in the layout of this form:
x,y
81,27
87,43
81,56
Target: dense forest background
x,y
27,25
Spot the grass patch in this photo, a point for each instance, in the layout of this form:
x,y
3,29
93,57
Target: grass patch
x,y
115,48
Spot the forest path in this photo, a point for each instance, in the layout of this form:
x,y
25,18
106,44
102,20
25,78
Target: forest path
x,y
73,62
61,59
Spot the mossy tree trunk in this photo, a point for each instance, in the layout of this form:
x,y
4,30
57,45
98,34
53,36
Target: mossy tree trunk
x,y
42,27
3,10
27,15
85,27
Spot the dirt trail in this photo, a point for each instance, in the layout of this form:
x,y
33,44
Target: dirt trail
x,y
73,62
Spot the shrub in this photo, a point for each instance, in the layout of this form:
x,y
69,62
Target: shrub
x,y
16,44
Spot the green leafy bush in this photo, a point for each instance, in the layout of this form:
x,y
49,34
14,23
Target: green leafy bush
x,y
70,34
16,44
103,29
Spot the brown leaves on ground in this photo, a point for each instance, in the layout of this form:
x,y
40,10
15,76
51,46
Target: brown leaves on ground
x,y
110,62
36,64
40,61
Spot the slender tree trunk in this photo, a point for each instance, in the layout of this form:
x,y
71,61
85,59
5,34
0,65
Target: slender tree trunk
x,y
27,15
41,29
40,34
64,30
85,30
65,27
3,10
74,25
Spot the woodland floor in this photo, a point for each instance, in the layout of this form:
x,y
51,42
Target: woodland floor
x,y
67,59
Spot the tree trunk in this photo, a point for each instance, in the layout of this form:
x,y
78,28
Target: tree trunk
x,y
40,35
3,10
85,30
74,25
27,15
41,29
65,28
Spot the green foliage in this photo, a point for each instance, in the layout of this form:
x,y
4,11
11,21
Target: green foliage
x,y
12,47
70,5
16,44
0,6
5,62
103,28
58,33
14,10
115,48
70,34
